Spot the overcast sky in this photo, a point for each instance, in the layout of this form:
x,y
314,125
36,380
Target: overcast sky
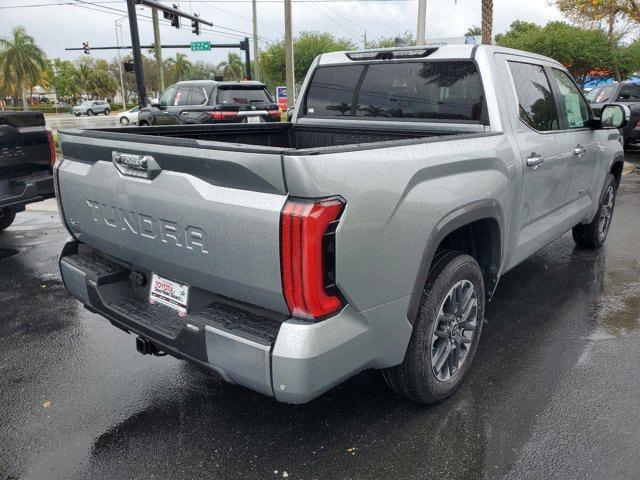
x,y
58,26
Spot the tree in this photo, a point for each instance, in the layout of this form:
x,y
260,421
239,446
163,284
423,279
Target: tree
x,y
473,31
389,42
64,79
179,66
232,68
581,50
617,18
22,62
306,46
487,21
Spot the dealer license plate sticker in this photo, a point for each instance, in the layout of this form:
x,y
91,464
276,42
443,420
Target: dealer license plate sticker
x,y
172,294
253,119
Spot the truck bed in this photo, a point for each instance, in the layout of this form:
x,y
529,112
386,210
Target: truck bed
x,y
271,137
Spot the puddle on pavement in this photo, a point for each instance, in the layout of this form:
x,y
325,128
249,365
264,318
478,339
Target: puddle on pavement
x,y
618,310
7,252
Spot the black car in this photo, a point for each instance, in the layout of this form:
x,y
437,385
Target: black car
x,y
208,101
27,155
626,93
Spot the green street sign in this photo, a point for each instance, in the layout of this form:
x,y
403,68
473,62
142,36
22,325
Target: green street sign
x,y
203,46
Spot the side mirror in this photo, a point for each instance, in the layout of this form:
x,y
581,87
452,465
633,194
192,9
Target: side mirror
x,y
614,116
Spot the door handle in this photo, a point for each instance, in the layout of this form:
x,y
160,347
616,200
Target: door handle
x,y
534,160
579,151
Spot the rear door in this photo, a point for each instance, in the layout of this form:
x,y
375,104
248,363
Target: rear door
x,y
192,211
547,158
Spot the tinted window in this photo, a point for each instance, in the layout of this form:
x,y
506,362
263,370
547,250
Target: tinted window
x,y
629,93
167,96
197,96
576,111
399,90
242,96
535,102
182,96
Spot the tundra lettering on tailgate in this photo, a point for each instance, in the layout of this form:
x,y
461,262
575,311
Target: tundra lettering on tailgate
x,y
193,238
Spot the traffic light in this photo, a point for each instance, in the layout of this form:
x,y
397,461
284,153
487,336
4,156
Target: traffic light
x,y
195,25
172,17
85,48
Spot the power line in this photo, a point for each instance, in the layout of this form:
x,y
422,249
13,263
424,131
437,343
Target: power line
x,y
99,3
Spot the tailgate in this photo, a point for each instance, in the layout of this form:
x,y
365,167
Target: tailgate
x,y
24,146
194,213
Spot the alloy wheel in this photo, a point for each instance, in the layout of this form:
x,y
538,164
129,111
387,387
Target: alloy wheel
x,y
455,327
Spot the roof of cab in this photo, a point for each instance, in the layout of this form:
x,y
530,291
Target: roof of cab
x,y
208,83
440,53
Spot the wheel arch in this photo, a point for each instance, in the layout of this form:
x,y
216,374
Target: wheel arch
x,y
475,229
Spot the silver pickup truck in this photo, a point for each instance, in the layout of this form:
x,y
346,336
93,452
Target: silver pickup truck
x,y
367,233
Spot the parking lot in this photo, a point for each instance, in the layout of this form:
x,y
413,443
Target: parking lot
x,y
553,391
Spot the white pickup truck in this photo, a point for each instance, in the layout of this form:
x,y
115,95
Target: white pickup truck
x,y
367,233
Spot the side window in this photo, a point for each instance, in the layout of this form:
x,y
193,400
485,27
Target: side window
x,y
535,101
166,98
629,93
605,93
182,96
197,96
576,111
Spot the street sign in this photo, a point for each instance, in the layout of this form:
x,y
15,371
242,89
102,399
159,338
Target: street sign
x,y
281,97
201,46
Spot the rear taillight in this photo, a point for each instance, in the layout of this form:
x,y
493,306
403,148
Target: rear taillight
x,y
274,113
223,115
52,147
307,241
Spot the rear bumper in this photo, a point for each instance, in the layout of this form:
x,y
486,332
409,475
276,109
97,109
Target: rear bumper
x,y
17,192
292,360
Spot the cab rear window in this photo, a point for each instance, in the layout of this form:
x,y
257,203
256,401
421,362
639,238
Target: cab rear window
x,y
242,96
411,90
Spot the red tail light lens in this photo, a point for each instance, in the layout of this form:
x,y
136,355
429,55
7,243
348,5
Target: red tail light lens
x,y
274,113
307,232
223,115
52,147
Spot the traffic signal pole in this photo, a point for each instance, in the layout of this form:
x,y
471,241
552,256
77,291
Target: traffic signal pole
x,y
137,55
158,48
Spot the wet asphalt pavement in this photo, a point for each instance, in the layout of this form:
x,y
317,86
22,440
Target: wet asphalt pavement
x,y
554,391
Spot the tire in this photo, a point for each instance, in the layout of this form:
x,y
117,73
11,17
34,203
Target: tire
x,y
143,123
124,121
6,218
78,114
594,234
107,111
89,113
438,329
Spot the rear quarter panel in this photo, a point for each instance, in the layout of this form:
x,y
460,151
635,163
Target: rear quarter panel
x,y
396,197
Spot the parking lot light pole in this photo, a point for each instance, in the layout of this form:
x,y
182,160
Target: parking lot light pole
x,y
124,97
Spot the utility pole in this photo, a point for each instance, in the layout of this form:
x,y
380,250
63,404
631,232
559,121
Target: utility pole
x,y
137,55
256,66
158,48
422,18
364,42
288,54
124,97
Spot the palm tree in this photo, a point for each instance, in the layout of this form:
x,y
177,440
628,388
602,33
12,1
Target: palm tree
x,y
180,66
232,68
22,63
487,20
84,78
473,31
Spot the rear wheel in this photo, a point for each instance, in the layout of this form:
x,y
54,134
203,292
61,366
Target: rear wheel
x,y
124,121
446,333
143,123
594,234
7,217
89,113
107,111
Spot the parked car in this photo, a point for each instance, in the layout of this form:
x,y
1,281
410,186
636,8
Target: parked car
x,y
27,156
626,93
129,117
369,232
92,107
208,101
